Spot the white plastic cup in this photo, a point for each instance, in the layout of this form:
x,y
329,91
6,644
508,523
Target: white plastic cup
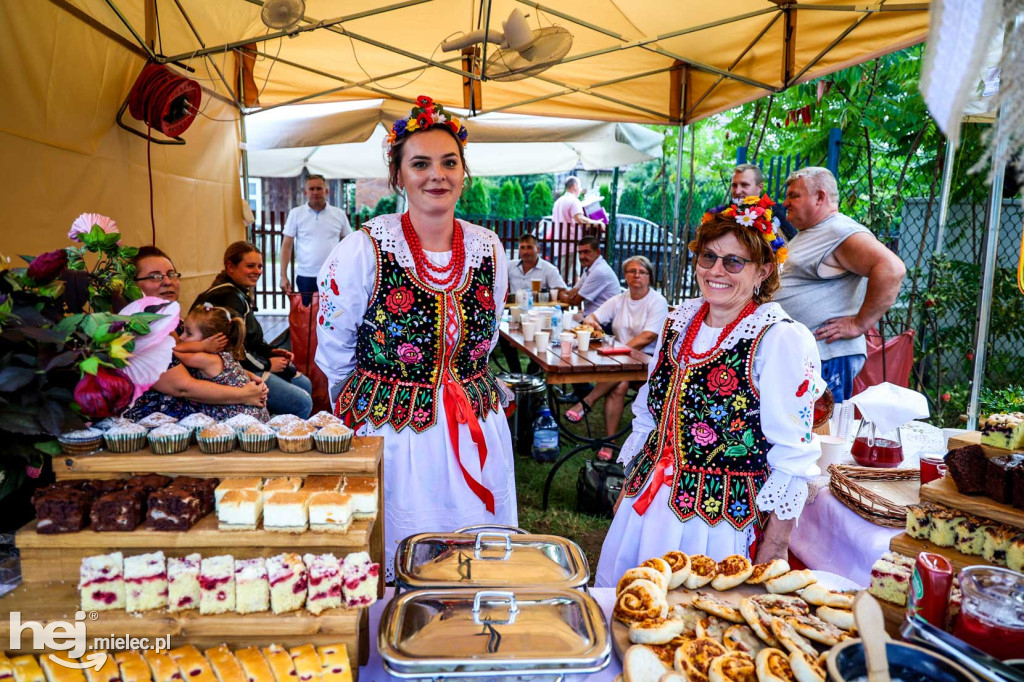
x,y
555,292
522,298
542,340
530,328
583,340
517,314
542,297
566,339
833,451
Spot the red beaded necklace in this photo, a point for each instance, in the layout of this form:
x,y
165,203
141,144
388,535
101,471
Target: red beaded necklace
x,y
687,353
424,267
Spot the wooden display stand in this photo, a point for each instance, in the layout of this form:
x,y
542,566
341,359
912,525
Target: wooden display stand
x,y
974,438
50,563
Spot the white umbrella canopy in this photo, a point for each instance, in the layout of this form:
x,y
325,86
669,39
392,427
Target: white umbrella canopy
x,y
630,60
344,140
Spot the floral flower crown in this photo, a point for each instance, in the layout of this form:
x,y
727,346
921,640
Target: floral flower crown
x,y
426,114
755,213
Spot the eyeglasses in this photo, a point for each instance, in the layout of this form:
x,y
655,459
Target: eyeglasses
x,y
158,277
638,272
733,264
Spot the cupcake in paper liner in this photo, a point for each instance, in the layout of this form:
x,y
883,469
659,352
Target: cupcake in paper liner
x,y
216,439
280,421
168,439
322,419
296,437
82,442
257,438
128,437
111,422
196,422
333,439
151,421
240,422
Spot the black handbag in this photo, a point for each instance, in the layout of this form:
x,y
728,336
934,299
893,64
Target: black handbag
x,y
598,486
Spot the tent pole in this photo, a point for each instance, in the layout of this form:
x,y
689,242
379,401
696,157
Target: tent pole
x,y
674,260
995,206
947,184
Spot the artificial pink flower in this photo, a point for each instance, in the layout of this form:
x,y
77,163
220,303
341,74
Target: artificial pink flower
x,y
83,225
152,354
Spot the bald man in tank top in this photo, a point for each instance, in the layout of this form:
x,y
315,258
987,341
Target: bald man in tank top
x,y
839,279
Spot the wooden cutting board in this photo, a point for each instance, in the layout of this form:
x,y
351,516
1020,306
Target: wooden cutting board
x,y
911,547
974,438
944,491
362,458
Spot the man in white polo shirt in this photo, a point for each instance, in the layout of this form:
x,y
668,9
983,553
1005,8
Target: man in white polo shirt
x,y
314,229
598,282
531,266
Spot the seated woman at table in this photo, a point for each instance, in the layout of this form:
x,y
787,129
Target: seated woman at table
x,y
178,393
290,391
636,317
721,449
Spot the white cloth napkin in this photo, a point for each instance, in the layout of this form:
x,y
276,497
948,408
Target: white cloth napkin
x,y
889,406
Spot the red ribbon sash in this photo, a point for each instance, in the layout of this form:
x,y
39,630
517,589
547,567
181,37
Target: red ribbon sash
x,y
657,480
458,410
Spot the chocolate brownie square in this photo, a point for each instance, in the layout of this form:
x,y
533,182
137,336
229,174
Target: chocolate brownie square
x,y
200,487
1017,485
968,467
61,510
148,482
101,486
120,510
999,479
172,509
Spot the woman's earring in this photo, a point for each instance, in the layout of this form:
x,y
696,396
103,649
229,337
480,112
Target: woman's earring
x,y
757,290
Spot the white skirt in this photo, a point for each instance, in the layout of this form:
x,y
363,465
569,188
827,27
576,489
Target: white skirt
x,y
424,489
633,539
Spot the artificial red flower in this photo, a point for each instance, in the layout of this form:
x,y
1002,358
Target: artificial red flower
x,y
105,394
766,202
424,101
424,120
47,266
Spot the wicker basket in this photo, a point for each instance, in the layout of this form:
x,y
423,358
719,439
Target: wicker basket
x,y
879,495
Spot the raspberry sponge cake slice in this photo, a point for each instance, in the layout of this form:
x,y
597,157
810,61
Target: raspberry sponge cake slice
x,y
287,576
359,579
183,591
217,585
101,582
145,578
252,590
324,582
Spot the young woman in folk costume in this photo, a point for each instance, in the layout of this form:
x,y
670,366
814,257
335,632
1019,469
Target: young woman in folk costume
x,y
721,448
407,322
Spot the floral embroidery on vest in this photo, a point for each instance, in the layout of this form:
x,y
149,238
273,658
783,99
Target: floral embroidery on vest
x,y
402,352
708,415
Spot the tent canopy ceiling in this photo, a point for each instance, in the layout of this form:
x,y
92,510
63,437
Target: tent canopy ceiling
x,y
344,140
631,60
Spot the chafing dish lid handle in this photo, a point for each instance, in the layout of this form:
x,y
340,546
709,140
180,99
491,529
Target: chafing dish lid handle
x,y
507,597
492,526
480,539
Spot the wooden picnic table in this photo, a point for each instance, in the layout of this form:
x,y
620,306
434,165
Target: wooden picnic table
x,y
580,368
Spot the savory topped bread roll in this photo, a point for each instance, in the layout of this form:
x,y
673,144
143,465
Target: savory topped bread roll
x,y
782,604
712,627
805,668
772,569
759,620
773,666
734,666
742,638
641,664
790,582
667,652
661,566
656,630
733,571
717,607
819,595
679,562
694,658
816,630
643,573
690,615
702,571
792,640
841,618
640,600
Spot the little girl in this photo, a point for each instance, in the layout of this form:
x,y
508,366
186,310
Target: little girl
x,y
209,326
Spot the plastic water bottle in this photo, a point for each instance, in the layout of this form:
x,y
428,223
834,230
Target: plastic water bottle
x,y
545,437
556,321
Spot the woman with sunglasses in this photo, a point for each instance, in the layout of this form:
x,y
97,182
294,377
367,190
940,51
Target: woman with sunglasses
x,y
721,450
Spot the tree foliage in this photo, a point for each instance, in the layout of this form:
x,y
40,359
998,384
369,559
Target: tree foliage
x,y
474,201
511,203
540,202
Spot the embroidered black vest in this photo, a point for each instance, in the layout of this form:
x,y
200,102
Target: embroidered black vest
x,y
708,414
402,352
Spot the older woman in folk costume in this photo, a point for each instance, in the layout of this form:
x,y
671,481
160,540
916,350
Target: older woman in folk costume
x,y
721,449
408,321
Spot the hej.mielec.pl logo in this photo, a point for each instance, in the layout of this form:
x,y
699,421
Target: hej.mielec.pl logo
x,y
60,635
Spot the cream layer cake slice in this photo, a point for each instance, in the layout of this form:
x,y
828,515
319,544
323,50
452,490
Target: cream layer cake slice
x,y
102,582
254,666
108,672
59,673
359,579
890,582
330,512
307,662
133,667
224,664
239,510
145,578
323,575
217,585
334,663
363,491
323,483
162,666
280,663
193,667
286,512
26,669
183,591
287,576
282,484
229,484
252,590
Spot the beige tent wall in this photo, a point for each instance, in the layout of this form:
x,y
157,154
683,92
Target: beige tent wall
x,y
63,154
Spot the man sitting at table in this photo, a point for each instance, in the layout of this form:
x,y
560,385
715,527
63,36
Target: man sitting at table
x,y
598,282
530,266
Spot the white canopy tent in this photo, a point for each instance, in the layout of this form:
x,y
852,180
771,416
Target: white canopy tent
x,y
344,140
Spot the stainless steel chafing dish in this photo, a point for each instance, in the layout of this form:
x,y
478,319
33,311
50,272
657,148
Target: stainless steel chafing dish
x,y
498,559
461,632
